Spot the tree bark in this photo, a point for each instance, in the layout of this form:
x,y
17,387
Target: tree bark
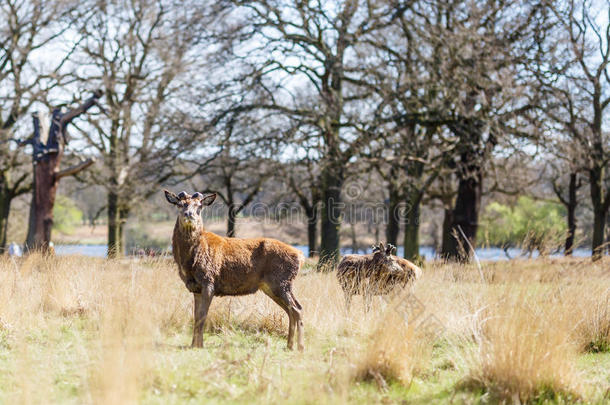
x,y
446,232
414,192
5,209
354,237
600,210
332,209
231,217
43,199
312,229
235,208
310,205
411,237
599,221
116,220
393,224
607,236
465,216
571,211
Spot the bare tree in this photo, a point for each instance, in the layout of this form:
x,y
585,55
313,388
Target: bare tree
x,y
48,151
26,28
408,119
447,74
237,178
302,61
477,51
138,52
569,199
574,70
409,162
443,192
303,181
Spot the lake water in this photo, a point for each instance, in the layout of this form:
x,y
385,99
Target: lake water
x,y
492,254
489,253
85,250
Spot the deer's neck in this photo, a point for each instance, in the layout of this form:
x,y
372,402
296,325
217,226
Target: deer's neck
x,y
188,234
186,240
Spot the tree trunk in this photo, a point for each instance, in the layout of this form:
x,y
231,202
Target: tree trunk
x,y
393,224
116,220
607,236
231,221
599,222
123,214
571,208
46,176
43,199
354,237
377,234
465,216
600,209
5,208
446,232
312,225
411,237
332,209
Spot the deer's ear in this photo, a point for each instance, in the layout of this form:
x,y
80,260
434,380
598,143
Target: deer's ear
x,y
208,199
171,197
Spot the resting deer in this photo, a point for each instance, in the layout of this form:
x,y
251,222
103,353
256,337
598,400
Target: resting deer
x,y
376,273
211,265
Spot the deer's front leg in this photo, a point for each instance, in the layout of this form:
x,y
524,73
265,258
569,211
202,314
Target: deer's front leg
x,y
200,312
193,286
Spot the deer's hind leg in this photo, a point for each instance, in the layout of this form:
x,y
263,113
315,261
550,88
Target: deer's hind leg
x,y
286,301
298,320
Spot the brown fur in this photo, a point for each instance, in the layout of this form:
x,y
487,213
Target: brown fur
x,y
413,272
374,274
212,265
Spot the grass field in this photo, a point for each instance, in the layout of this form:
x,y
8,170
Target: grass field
x,y
80,330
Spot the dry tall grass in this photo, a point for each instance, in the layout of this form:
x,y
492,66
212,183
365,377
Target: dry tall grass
x,y
95,331
525,348
395,352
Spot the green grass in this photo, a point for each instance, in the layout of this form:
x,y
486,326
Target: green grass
x,y
53,352
240,367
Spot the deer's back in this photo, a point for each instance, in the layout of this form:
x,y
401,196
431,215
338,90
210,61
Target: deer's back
x,y
354,271
244,264
235,266
357,275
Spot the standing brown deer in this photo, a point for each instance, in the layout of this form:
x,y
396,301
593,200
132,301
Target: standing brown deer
x,y
376,273
212,265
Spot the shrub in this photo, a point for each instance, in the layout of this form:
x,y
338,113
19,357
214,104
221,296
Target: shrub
x,y
137,237
66,215
534,225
